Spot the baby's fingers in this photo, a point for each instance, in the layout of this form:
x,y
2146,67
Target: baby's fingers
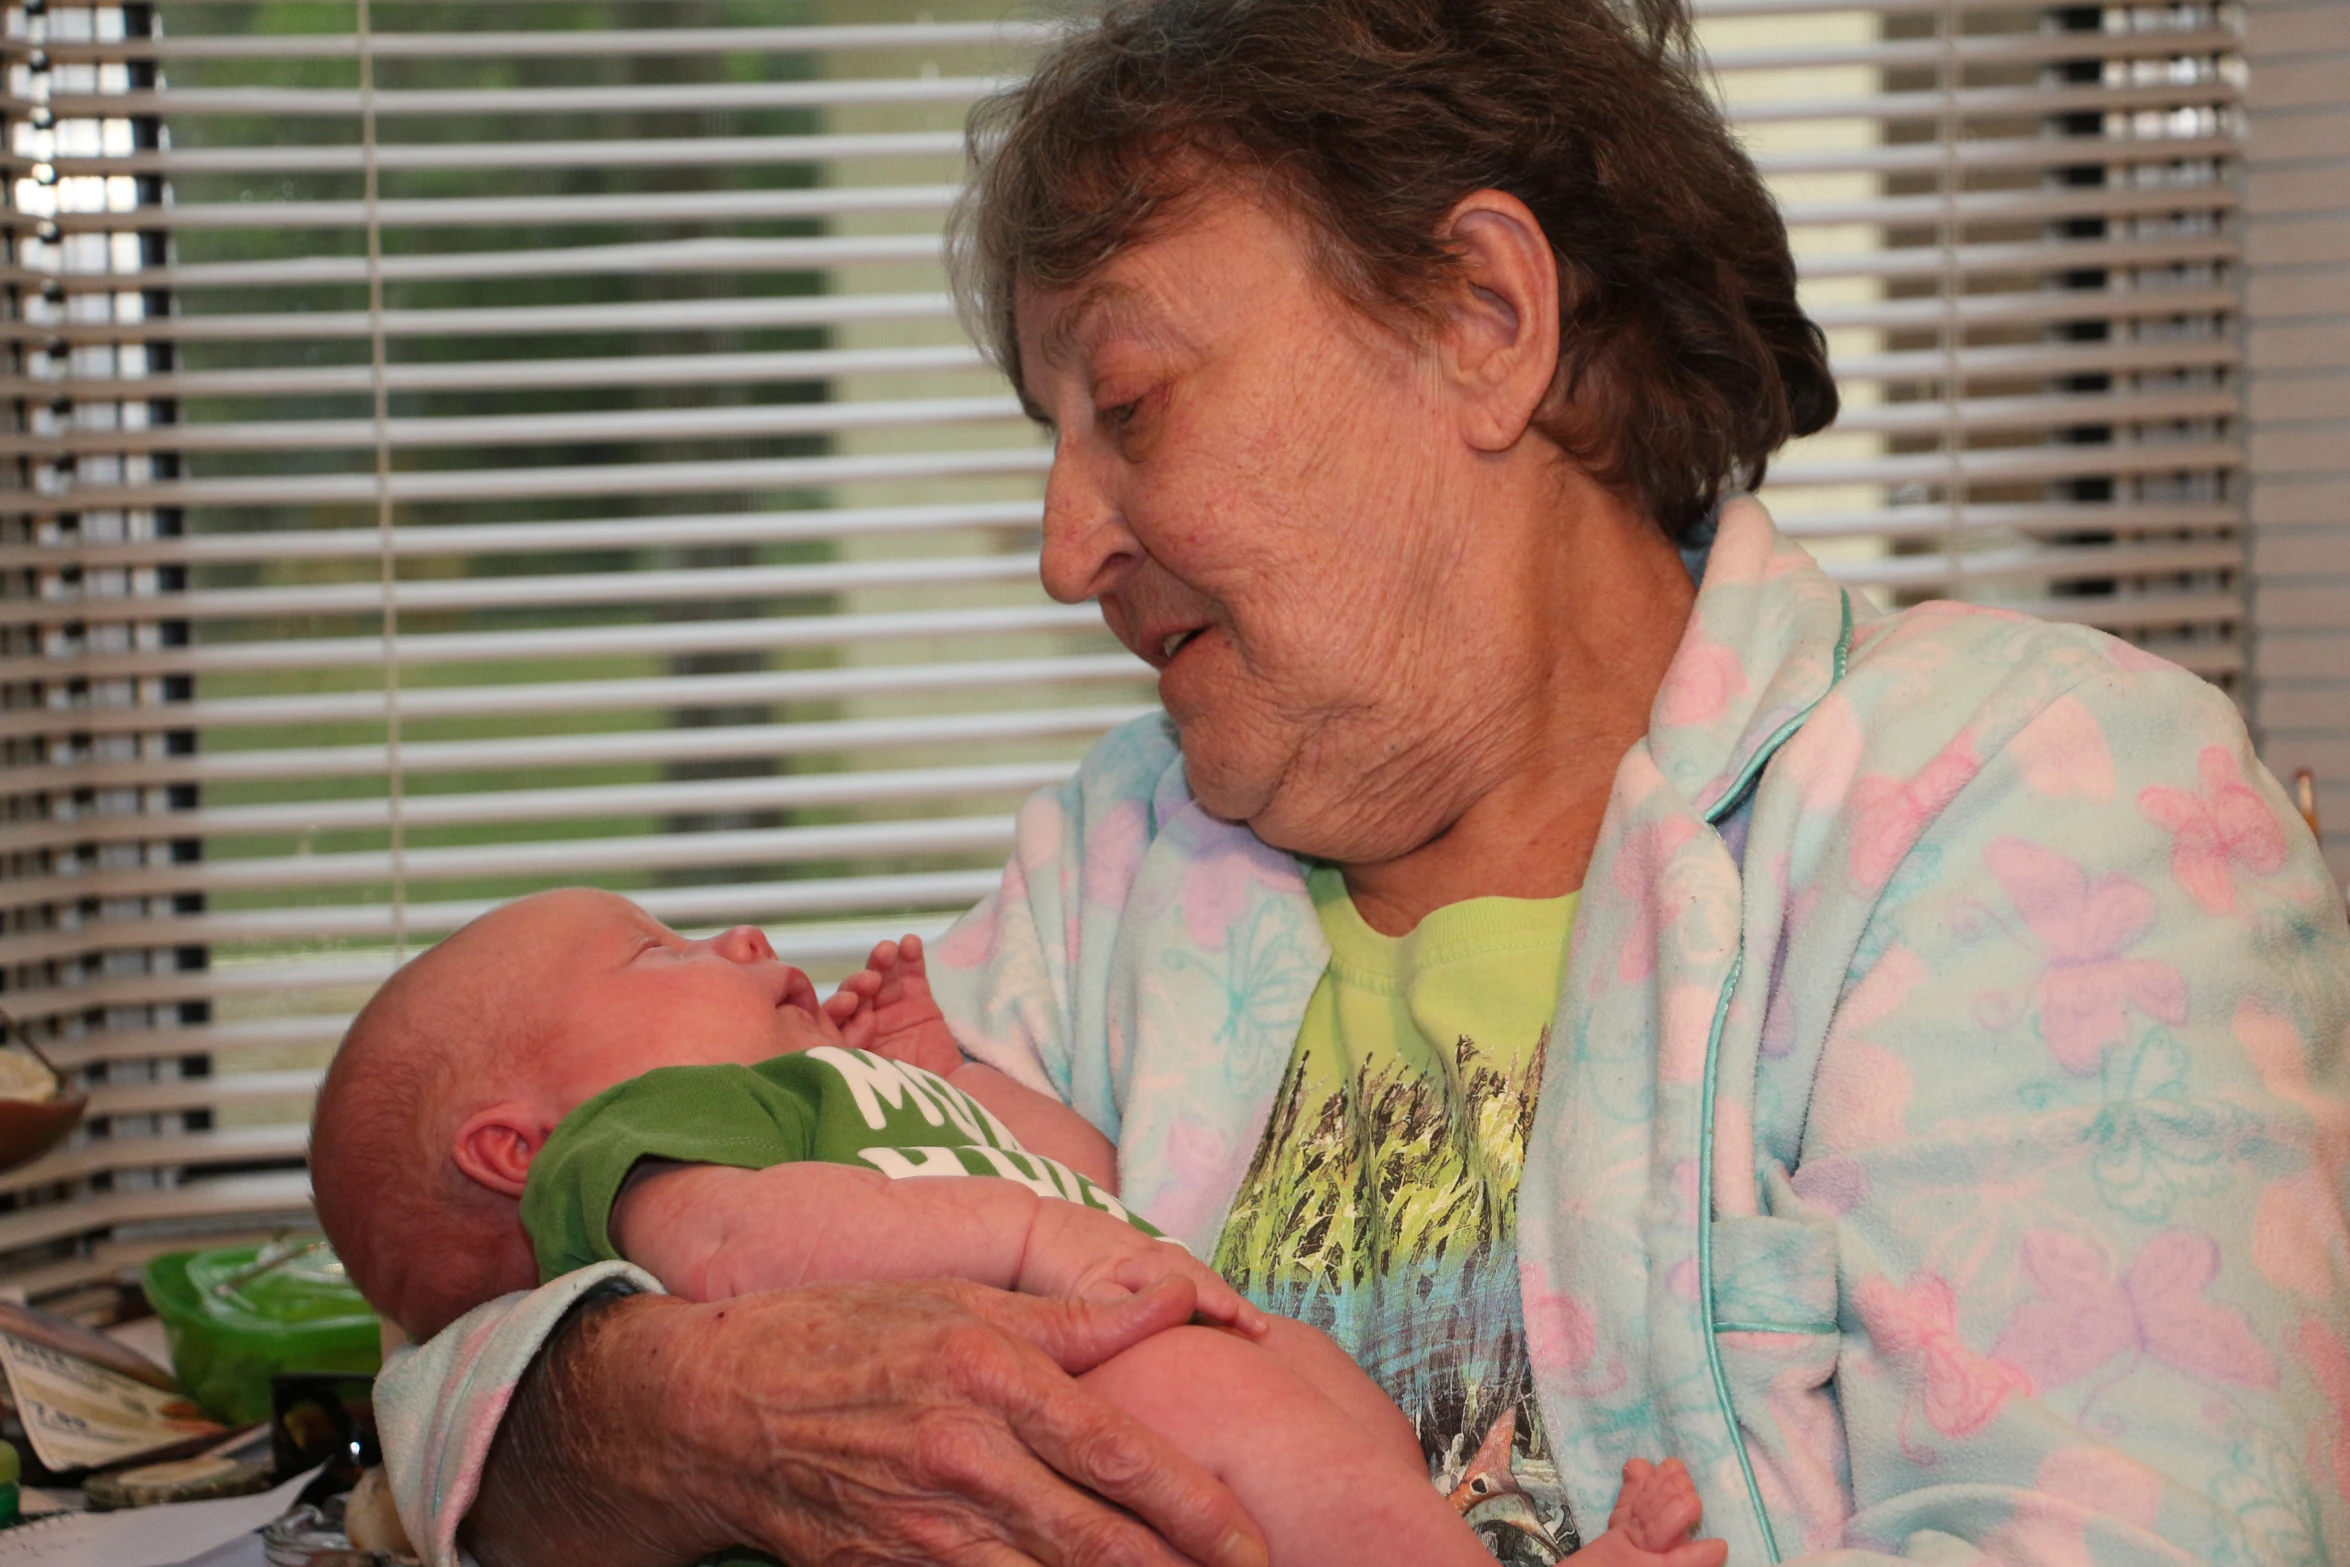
x,y
1636,1476
1659,1508
1219,1302
1698,1553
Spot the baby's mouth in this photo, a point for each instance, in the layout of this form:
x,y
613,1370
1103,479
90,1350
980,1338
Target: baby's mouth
x,y
798,991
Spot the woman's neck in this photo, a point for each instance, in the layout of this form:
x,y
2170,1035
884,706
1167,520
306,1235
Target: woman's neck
x,y
1611,612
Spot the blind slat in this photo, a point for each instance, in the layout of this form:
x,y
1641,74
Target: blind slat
x,y
812,904
393,103
1908,523
2010,465
673,315
565,535
552,696
674,797
702,206
633,424
609,43
613,152
713,584
649,479
581,371
566,858
765,742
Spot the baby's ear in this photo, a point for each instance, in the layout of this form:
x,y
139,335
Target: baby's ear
x,y
495,1146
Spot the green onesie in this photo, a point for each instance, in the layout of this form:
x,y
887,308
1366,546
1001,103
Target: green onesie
x,y
838,1106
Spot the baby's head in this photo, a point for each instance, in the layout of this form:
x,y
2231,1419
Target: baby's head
x,y
451,1078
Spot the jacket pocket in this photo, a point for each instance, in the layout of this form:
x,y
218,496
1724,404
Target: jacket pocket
x,y
1776,1341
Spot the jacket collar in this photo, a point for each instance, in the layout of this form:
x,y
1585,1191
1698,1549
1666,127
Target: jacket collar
x,y
1768,637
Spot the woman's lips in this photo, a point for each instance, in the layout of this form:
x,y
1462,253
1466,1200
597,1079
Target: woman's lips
x,y
1159,647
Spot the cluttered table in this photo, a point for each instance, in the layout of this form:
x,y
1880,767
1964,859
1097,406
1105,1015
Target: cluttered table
x,y
213,1411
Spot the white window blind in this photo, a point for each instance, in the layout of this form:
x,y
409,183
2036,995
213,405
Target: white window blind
x,y
461,449
466,448
2017,225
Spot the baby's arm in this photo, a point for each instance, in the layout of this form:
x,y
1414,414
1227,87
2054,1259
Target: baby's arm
x,y
886,1008
711,1231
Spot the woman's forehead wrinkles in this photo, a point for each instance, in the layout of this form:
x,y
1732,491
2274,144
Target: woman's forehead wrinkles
x,y
1103,305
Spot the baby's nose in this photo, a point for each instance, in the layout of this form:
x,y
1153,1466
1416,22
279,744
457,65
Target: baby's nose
x,y
743,944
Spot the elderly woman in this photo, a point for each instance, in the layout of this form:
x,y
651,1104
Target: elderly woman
x,y
1932,1129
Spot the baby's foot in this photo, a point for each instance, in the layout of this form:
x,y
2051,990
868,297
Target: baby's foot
x,y
886,1007
1656,1512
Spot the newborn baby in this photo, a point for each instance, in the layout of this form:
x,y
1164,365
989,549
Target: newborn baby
x,y
567,1079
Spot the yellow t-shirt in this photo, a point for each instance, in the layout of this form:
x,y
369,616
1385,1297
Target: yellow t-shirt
x,y
1382,1205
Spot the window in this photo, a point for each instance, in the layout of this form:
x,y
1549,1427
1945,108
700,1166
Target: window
x,y
469,448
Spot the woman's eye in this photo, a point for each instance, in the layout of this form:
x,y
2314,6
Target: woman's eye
x,y
1119,416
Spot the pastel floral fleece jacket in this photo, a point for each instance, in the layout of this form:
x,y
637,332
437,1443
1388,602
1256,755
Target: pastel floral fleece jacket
x,y
1942,1141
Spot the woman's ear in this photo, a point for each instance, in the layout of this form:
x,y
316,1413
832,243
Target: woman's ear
x,y
1501,344
495,1146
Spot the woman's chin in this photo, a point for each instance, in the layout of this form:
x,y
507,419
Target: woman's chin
x,y
1226,800
1226,786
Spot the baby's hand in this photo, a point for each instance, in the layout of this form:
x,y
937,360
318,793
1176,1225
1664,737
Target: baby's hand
x,y
1080,1253
886,1007
1656,1513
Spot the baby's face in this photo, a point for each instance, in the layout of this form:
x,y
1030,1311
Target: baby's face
x,y
627,994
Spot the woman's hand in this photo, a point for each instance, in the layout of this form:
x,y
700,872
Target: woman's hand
x,y
875,1423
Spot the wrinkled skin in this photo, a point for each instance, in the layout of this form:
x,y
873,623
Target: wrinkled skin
x,y
925,1423
1396,628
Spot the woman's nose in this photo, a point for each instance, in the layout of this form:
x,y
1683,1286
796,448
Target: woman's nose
x,y
743,944
1088,548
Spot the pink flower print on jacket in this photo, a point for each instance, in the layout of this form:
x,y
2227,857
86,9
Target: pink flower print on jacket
x,y
2087,989
2085,1315
1231,871
1698,689
2214,832
2062,753
1892,811
2300,1240
2329,1364
1641,867
1918,1325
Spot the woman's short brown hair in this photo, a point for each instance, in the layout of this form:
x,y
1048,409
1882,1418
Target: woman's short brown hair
x,y
1684,360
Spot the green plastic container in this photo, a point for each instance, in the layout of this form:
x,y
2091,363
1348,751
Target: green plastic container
x,y
238,1316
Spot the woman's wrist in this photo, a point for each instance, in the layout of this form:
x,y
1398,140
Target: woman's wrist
x,y
576,1472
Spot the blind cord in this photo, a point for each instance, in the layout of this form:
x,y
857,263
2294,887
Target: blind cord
x,y
387,558
1953,282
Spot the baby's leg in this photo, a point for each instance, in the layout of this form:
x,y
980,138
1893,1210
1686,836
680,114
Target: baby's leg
x,y
1655,1514
1325,1487
1330,1371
